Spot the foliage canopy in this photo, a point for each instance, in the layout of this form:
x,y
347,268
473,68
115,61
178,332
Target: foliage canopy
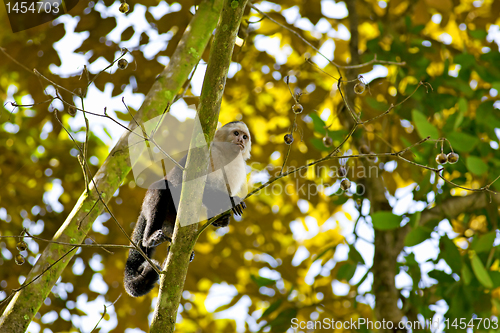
x,y
303,248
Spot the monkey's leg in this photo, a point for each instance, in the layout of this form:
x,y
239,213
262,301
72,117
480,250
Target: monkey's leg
x,y
159,211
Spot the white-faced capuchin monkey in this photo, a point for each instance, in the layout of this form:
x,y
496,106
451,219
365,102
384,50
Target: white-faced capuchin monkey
x,y
155,225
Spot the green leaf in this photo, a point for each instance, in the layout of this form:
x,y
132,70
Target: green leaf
x,y
339,200
417,236
466,275
480,272
496,85
450,253
408,22
452,289
318,144
318,123
336,136
126,116
376,105
415,30
262,281
484,243
486,74
495,277
325,252
411,261
462,86
478,33
424,128
415,219
235,300
465,60
462,142
476,165
346,271
385,220
282,322
355,256
107,132
462,109
363,278
441,277
486,114
273,307
495,302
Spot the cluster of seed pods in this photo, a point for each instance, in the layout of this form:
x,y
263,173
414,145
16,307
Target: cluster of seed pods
x,y
21,246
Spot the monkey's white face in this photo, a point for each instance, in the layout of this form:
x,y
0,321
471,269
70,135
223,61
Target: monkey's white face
x,y
238,134
240,138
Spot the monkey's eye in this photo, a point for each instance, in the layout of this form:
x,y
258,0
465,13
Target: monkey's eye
x,y
236,133
245,137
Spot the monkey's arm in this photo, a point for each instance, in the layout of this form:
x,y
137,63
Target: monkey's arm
x,y
217,202
238,205
153,227
223,221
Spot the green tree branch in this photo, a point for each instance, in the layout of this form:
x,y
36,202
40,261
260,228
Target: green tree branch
x,y
184,238
26,302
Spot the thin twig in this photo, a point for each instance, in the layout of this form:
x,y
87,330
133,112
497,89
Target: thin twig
x,y
24,285
14,60
124,52
117,246
107,208
105,311
373,61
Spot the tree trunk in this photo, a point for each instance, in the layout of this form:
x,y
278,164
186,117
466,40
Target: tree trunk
x,y
388,244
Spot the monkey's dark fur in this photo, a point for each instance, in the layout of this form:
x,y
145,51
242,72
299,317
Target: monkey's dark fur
x,y
156,221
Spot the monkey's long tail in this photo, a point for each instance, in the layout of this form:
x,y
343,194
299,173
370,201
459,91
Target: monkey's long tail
x,y
139,277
